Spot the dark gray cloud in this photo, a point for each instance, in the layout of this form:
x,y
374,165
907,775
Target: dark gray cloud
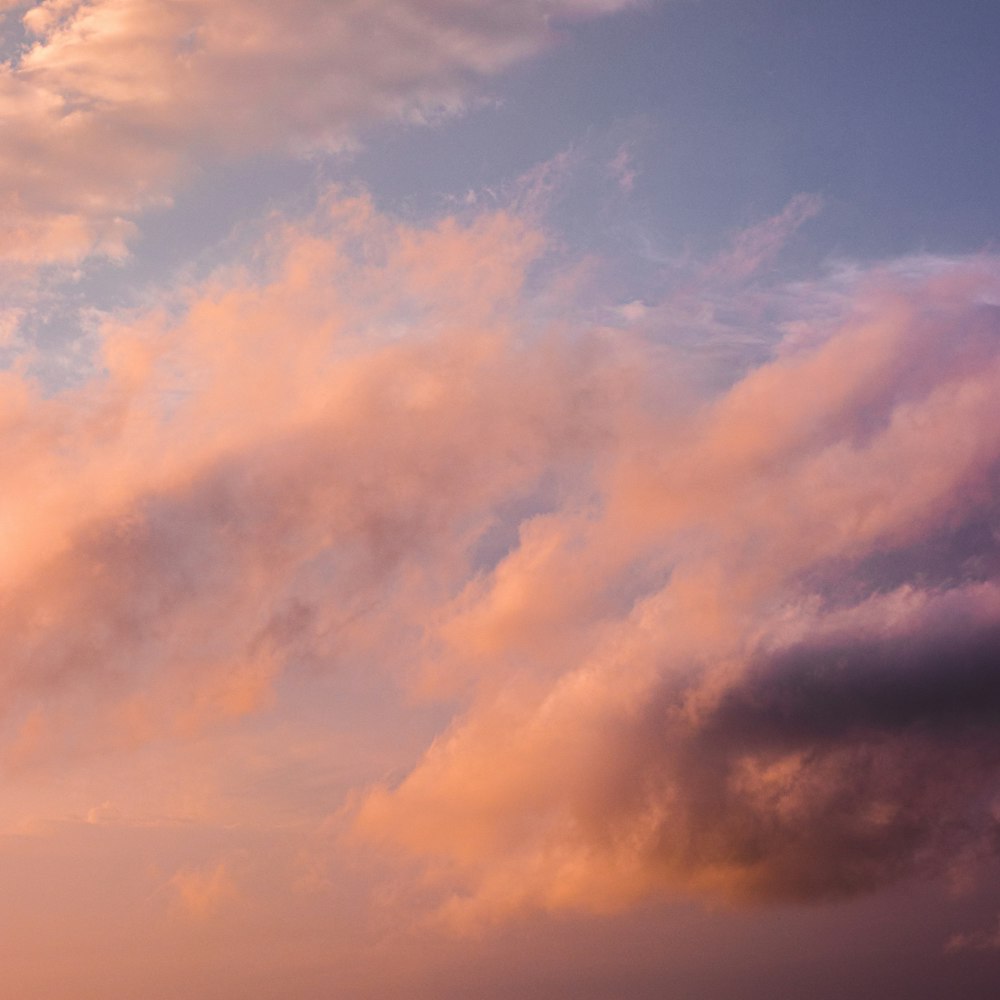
x,y
832,767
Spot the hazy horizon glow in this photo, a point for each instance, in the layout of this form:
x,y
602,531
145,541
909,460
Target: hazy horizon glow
x,y
489,510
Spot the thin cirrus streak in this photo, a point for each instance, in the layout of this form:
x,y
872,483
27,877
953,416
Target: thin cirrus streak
x,y
741,644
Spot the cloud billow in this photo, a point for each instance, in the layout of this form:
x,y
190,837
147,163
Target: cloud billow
x,y
739,642
109,104
802,702
837,767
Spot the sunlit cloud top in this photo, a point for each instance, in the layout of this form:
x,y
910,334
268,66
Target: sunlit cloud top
x,y
437,558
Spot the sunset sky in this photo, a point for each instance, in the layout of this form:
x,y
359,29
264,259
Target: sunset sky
x,y
501,499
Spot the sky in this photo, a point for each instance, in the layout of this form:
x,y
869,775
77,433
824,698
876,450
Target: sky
x,y
499,500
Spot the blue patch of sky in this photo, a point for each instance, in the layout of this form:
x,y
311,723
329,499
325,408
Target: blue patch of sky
x,y
888,110
210,208
13,37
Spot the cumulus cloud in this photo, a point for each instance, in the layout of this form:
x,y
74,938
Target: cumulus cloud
x,y
740,643
110,102
762,664
201,892
283,464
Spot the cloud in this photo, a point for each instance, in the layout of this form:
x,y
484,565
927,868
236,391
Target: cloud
x,y
739,643
982,940
112,102
761,663
202,892
758,245
284,465
622,168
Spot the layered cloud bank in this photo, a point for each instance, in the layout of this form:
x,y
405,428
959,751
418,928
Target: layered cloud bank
x,y
107,104
741,643
760,659
274,465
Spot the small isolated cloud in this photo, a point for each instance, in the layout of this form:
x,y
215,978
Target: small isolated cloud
x,y
984,940
201,892
753,248
622,168
106,812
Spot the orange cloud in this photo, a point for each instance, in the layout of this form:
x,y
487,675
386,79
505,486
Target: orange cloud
x,y
202,892
297,464
760,662
739,643
112,102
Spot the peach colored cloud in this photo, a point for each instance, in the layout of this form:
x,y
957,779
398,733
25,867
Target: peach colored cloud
x,y
111,102
289,465
761,662
200,892
980,940
753,248
742,643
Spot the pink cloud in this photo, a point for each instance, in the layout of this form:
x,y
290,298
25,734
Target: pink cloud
x,y
758,245
113,102
738,644
202,892
982,940
660,707
276,474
